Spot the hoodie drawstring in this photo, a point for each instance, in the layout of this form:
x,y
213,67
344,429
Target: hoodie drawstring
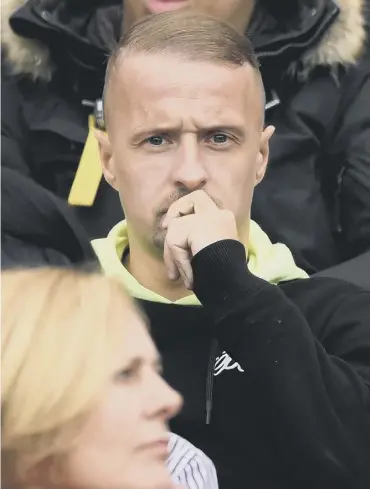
x,y
210,376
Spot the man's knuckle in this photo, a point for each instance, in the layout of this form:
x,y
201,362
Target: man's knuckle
x,y
228,215
173,228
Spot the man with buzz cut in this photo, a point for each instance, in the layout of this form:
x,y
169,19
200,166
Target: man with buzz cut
x,y
274,367
314,63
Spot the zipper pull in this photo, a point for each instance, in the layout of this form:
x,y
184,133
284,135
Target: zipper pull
x,y
208,411
210,379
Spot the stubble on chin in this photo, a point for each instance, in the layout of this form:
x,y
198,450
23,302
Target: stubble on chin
x,y
159,235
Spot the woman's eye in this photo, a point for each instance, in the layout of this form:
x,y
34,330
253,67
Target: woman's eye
x,y
126,374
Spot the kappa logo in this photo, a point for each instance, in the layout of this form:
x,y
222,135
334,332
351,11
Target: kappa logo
x,y
225,362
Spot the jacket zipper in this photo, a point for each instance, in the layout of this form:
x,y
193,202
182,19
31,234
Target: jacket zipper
x,y
210,378
98,111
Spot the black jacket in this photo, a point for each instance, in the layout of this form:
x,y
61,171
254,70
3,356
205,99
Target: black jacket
x,y
316,194
276,380
37,228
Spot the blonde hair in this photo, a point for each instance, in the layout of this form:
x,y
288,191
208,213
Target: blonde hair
x,y
59,331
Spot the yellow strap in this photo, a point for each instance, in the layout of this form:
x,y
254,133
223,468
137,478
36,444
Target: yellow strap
x,y
89,172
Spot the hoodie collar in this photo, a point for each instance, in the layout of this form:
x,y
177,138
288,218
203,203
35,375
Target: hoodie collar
x,y
271,262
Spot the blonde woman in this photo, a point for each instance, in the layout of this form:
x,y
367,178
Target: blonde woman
x,y
83,402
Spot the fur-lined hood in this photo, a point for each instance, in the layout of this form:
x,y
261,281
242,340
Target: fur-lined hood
x,y
26,56
342,44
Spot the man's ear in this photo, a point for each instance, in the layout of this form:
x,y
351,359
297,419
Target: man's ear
x,y
263,155
106,157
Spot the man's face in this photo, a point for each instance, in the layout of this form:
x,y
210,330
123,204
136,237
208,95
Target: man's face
x,y
177,126
230,10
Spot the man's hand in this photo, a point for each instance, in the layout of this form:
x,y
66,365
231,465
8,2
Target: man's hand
x,y
193,222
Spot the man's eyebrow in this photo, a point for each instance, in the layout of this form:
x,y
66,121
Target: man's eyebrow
x,y
143,133
229,128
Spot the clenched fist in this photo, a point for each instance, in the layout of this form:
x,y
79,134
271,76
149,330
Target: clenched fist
x,y
193,222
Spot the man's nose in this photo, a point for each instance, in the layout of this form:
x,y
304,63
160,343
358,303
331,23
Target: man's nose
x,y
189,170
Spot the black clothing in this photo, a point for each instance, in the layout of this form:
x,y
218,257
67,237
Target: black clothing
x,y
37,228
294,411
314,74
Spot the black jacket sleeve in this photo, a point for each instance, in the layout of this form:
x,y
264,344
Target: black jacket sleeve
x,y
17,253
37,228
13,128
350,150
316,392
356,271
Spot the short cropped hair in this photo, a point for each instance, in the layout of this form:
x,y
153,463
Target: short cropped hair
x,y
191,36
59,333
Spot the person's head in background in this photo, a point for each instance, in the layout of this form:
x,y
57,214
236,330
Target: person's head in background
x,y
184,108
236,12
83,402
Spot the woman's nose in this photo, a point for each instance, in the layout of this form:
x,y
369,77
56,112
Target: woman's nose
x,y
168,402
174,403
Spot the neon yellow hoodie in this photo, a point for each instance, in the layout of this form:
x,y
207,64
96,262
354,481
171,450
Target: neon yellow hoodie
x,y
271,262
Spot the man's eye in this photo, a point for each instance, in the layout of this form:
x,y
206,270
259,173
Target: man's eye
x,y
219,138
156,140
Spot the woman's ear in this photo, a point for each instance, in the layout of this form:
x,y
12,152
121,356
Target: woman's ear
x,y
263,155
106,157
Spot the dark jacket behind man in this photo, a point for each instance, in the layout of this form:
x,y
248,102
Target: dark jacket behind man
x,y
316,195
